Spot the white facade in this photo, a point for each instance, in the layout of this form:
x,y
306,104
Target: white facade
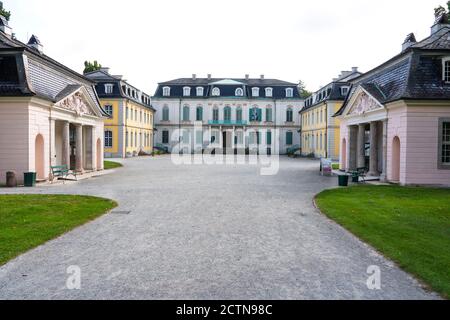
x,y
232,131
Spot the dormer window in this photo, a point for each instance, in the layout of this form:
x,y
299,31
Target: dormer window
x,y
446,70
200,92
166,91
289,93
255,92
344,91
269,92
109,88
216,92
186,91
239,92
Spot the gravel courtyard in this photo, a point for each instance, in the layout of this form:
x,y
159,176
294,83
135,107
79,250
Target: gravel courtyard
x,y
205,232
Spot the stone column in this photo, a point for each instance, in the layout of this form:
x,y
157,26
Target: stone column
x,y
65,158
373,170
352,147
94,150
361,148
79,148
385,147
52,142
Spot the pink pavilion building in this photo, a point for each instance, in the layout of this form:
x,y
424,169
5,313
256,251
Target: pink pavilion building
x,y
395,121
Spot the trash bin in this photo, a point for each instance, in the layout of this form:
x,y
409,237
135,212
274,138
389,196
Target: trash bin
x,y
11,181
29,179
343,181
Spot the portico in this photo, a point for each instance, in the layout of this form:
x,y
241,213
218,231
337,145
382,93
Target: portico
x,y
364,135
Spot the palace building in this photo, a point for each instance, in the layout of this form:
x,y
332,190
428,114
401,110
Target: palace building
x,y
234,114
396,120
129,128
320,130
49,114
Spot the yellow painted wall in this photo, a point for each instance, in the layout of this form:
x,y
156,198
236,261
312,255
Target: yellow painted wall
x,y
314,123
142,126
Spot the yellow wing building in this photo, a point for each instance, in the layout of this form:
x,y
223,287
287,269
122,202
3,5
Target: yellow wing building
x,y
320,130
130,128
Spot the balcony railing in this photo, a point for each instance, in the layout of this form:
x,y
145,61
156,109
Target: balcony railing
x,y
227,123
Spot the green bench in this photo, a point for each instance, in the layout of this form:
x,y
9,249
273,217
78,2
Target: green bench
x,y
62,172
359,173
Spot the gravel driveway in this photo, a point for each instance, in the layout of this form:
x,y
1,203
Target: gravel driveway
x,y
205,232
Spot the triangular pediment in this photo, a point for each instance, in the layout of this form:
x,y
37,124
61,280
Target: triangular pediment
x,y
362,102
76,99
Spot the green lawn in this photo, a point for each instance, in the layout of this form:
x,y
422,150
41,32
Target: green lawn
x,y
411,226
111,165
27,221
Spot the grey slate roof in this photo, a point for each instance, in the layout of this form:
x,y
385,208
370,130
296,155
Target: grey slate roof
x,y
40,75
227,87
415,74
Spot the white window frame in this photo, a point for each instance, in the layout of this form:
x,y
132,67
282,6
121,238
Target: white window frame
x,y
166,91
445,77
239,92
441,164
269,92
109,88
344,91
255,92
108,139
109,106
186,91
216,92
289,93
200,91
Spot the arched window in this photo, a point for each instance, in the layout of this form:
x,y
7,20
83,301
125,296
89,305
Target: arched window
x,y
269,92
199,112
186,91
289,93
166,113
289,115
216,114
186,111
216,92
166,91
239,92
227,113
239,114
269,117
255,92
108,139
200,91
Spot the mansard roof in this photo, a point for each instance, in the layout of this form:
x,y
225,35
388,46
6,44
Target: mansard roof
x,y
415,74
228,87
102,77
38,75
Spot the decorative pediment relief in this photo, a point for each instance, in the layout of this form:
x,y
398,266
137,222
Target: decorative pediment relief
x,y
77,103
364,104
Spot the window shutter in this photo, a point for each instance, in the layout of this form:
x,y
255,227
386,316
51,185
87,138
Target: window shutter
x,y
269,138
259,115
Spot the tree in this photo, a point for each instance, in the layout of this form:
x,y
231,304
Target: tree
x,y
4,13
302,89
90,67
439,11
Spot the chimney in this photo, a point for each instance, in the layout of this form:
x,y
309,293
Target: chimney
x,y
36,44
247,77
104,69
4,27
354,69
440,22
209,76
262,77
409,41
194,76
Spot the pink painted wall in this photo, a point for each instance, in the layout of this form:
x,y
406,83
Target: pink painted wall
x,y
344,160
397,126
14,139
422,143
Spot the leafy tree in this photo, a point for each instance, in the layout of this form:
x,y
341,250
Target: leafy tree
x,y
4,13
440,11
302,89
90,67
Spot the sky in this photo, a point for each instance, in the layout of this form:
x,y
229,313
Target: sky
x,y
159,40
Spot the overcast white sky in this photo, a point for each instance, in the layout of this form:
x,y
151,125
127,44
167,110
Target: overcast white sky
x,y
159,40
